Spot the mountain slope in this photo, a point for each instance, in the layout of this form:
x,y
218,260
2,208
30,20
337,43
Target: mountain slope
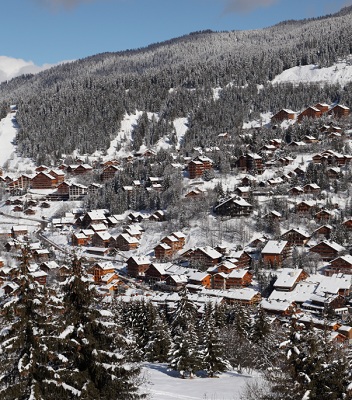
x,y
80,105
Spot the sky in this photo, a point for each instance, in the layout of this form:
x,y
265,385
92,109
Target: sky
x,y
50,31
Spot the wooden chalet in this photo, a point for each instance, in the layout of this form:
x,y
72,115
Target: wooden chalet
x,y
163,251
295,191
196,192
244,296
29,211
348,224
176,282
101,269
275,252
172,241
249,180
311,188
310,112
342,264
49,266
240,258
79,169
305,207
324,230
323,107
277,307
283,115
285,160
101,239
63,189
156,272
308,139
76,191
273,215
41,255
234,207
288,278
39,276
41,168
250,162
93,217
200,279
181,239
43,180
238,278
299,172
225,267
136,266
198,166
125,242
109,172
328,250
324,215
333,172
58,175
296,236
19,230
340,111
218,281
203,257
320,302
243,191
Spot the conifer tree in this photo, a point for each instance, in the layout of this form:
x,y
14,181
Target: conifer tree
x,y
97,363
184,354
158,347
212,348
25,324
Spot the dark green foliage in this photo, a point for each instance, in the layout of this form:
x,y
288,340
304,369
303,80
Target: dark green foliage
x,y
97,358
25,350
81,104
310,363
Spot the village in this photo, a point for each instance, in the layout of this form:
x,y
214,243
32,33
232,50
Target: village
x,y
294,262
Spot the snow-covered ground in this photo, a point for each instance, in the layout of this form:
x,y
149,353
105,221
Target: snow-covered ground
x,y
340,73
123,137
165,384
8,132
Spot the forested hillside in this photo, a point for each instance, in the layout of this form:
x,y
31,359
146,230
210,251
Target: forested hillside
x,y
80,105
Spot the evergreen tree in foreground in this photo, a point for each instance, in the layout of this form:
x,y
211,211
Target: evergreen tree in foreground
x,y
184,354
95,353
213,350
25,324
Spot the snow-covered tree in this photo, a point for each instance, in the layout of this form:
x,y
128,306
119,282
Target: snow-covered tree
x,y
26,323
96,360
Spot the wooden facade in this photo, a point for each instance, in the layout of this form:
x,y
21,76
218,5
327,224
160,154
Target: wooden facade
x,y
310,112
283,115
234,207
136,266
43,181
327,250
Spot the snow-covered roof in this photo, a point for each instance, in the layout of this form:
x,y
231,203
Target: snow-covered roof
x,y
335,246
332,284
129,239
274,247
275,305
198,276
287,277
237,273
210,252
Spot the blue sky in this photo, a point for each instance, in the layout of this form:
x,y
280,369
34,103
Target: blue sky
x,y
49,31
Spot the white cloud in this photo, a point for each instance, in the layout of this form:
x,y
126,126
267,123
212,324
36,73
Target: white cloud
x,y
244,6
12,67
